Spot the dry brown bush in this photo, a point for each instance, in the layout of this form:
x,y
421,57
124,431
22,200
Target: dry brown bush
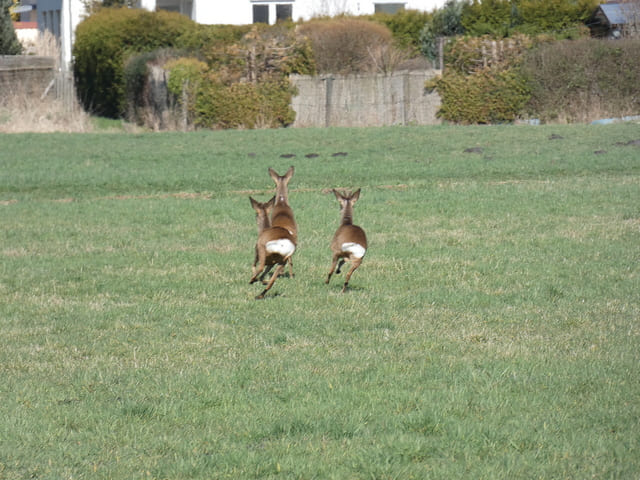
x,y
25,113
350,45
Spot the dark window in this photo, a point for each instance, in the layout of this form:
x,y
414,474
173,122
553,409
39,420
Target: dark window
x,y
388,7
261,14
283,12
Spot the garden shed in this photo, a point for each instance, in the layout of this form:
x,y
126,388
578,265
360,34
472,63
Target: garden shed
x,y
615,20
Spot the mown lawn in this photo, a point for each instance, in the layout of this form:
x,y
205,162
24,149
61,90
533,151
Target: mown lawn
x,y
492,331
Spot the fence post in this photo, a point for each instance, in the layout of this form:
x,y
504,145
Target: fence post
x,y
406,97
328,100
441,53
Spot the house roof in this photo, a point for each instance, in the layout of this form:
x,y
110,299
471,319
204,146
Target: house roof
x,y
615,13
23,8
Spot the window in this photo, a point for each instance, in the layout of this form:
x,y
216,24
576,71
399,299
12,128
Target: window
x,y
185,7
261,14
57,23
283,12
51,22
388,7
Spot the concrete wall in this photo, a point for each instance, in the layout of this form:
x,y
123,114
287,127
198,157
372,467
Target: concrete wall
x,y
28,75
365,100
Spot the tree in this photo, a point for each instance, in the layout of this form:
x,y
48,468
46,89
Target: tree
x,y
490,17
446,22
9,43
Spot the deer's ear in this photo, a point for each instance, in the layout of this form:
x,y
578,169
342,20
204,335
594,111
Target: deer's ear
x,y
289,173
355,196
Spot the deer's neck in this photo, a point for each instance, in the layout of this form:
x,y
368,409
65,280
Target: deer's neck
x,y
281,198
263,223
347,215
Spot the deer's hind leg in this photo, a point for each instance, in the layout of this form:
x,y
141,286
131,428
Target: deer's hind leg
x,y
334,262
260,260
290,267
271,282
264,274
355,263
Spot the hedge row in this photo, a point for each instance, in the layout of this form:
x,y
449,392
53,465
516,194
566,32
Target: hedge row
x,y
223,76
488,81
228,76
231,76
583,80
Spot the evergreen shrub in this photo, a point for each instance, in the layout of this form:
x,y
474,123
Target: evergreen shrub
x,y
488,96
9,43
105,41
482,82
244,105
405,27
185,78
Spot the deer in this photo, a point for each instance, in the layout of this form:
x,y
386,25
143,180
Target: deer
x,y
282,214
275,246
349,242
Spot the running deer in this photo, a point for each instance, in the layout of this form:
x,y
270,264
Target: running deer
x,y
282,214
349,242
275,246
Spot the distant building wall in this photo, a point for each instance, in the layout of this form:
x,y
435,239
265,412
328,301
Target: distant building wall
x,y
61,17
241,12
365,100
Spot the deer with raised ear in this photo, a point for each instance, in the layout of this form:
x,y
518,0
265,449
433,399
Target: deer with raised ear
x,y
275,246
349,242
282,214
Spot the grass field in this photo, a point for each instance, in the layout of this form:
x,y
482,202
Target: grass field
x,y
492,331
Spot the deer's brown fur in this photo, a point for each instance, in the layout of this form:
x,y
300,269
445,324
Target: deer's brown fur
x,y
275,246
282,214
349,242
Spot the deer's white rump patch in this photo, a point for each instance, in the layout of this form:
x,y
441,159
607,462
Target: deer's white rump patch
x,y
282,246
354,249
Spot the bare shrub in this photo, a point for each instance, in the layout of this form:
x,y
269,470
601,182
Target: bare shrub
x,y
387,58
584,80
47,45
349,45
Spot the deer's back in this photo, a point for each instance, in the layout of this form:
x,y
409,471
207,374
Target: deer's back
x,y
349,234
282,216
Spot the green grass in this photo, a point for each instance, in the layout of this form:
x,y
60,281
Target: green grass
x,y
491,332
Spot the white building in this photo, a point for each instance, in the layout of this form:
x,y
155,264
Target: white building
x,y
62,16
240,12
